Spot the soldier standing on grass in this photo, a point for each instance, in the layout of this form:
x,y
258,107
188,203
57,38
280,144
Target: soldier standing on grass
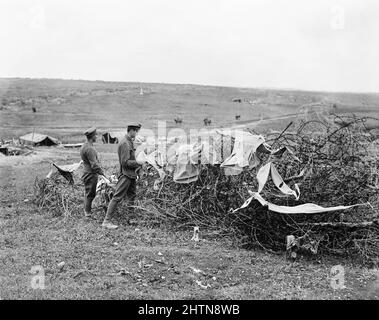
x,y
126,185
91,170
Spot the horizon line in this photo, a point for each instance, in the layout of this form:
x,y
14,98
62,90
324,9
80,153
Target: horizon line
x,y
194,84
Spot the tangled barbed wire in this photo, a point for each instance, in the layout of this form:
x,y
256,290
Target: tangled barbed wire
x,y
340,165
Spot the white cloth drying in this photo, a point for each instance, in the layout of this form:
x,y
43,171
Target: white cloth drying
x,y
308,208
262,177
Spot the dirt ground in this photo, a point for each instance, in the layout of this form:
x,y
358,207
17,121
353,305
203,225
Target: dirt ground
x,y
135,262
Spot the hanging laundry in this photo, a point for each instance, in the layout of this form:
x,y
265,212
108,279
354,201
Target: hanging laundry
x,y
222,144
67,171
187,168
245,204
142,157
209,154
308,208
245,146
253,161
69,167
262,177
233,171
166,150
281,185
103,183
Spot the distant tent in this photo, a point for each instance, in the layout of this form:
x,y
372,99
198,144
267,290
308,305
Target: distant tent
x,y
37,139
72,145
4,150
113,137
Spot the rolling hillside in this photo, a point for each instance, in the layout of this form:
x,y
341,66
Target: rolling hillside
x,y
65,107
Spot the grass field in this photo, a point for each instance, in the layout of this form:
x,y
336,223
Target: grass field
x,y
137,262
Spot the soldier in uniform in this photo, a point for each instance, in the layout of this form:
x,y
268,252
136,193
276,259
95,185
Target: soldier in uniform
x,y
91,169
126,185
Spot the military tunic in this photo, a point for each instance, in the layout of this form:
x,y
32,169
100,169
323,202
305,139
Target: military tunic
x,y
90,173
126,185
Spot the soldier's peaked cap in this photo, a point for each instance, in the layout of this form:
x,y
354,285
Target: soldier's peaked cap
x,y
134,125
90,132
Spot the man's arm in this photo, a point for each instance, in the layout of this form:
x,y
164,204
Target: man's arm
x,y
125,160
95,166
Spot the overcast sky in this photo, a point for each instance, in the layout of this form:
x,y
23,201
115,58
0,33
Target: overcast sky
x,y
313,45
